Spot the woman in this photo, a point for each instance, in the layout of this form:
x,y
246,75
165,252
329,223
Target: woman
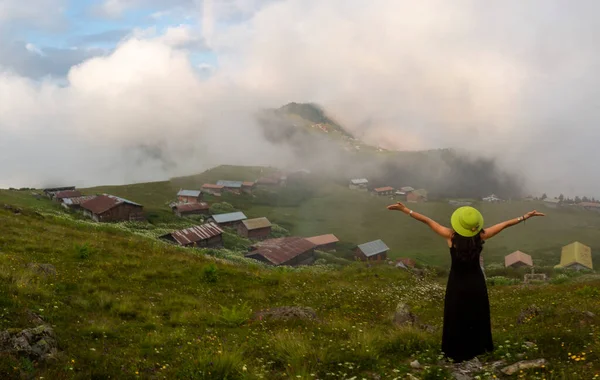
x,y
467,327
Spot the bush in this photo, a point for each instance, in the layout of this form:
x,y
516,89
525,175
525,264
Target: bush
x,y
277,231
83,250
236,315
588,291
560,279
211,273
222,208
502,281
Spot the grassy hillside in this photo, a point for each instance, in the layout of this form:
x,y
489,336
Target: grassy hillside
x,y
128,306
319,205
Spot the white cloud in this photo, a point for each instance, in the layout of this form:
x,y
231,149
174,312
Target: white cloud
x,y
42,13
513,79
34,49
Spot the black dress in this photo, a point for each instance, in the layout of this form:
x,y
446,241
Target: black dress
x,y
467,327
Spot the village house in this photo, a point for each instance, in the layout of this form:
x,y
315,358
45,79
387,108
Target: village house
x,y
372,251
491,199
359,184
231,219
518,259
189,196
406,189
248,186
417,196
576,256
208,235
109,208
552,202
212,189
387,190
75,203
326,243
59,196
234,187
268,182
405,262
590,206
49,192
255,229
187,209
290,251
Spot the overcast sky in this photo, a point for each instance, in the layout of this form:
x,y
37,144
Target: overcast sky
x,y
116,91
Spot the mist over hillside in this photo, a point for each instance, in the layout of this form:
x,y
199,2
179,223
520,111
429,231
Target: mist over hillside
x,y
322,145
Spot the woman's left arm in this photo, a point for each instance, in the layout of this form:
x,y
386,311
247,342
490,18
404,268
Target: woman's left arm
x,y
496,229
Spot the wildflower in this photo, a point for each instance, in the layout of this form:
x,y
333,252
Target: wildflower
x,y
244,368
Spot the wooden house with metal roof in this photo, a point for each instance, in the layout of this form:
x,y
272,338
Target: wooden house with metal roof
x,y
109,208
256,229
326,243
518,259
207,235
372,251
189,196
576,256
291,251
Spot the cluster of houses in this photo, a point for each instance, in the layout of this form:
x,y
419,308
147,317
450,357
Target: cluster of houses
x,y
575,256
556,203
101,208
244,187
406,193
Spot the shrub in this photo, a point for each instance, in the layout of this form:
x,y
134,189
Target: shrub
x,y
277,231
211,273
83,250
502,281
222,208
588,291
236,315
560,279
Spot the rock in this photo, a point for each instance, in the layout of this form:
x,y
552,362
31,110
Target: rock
x,y
461,376
410,376
286,313
403,316
38,343
415,364
531,311
13,209
526,364
35,318
529,344
45,269
589,314
472,365
427,328
497,364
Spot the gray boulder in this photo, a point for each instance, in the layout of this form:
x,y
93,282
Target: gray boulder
x,y
403,316
38,343
43,269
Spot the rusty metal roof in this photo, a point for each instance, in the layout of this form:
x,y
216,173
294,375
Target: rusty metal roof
x,y
588,204
195,234
517,257
77,200
187,207
386,188
189,193
105,202
281,250
255,224
67,194
212,186
248,184
323,239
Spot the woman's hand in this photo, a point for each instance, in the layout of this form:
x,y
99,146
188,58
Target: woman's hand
x,y
398,207
533,213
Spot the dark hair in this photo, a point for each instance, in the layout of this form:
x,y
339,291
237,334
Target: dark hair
x,y
467,248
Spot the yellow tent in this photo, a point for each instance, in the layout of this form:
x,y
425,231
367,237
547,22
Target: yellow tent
x,y
576,256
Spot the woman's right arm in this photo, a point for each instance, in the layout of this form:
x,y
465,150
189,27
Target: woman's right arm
x,y
444,232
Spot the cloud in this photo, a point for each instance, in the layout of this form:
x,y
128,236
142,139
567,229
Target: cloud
x,y
514,80
116,8
34,49
33,13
